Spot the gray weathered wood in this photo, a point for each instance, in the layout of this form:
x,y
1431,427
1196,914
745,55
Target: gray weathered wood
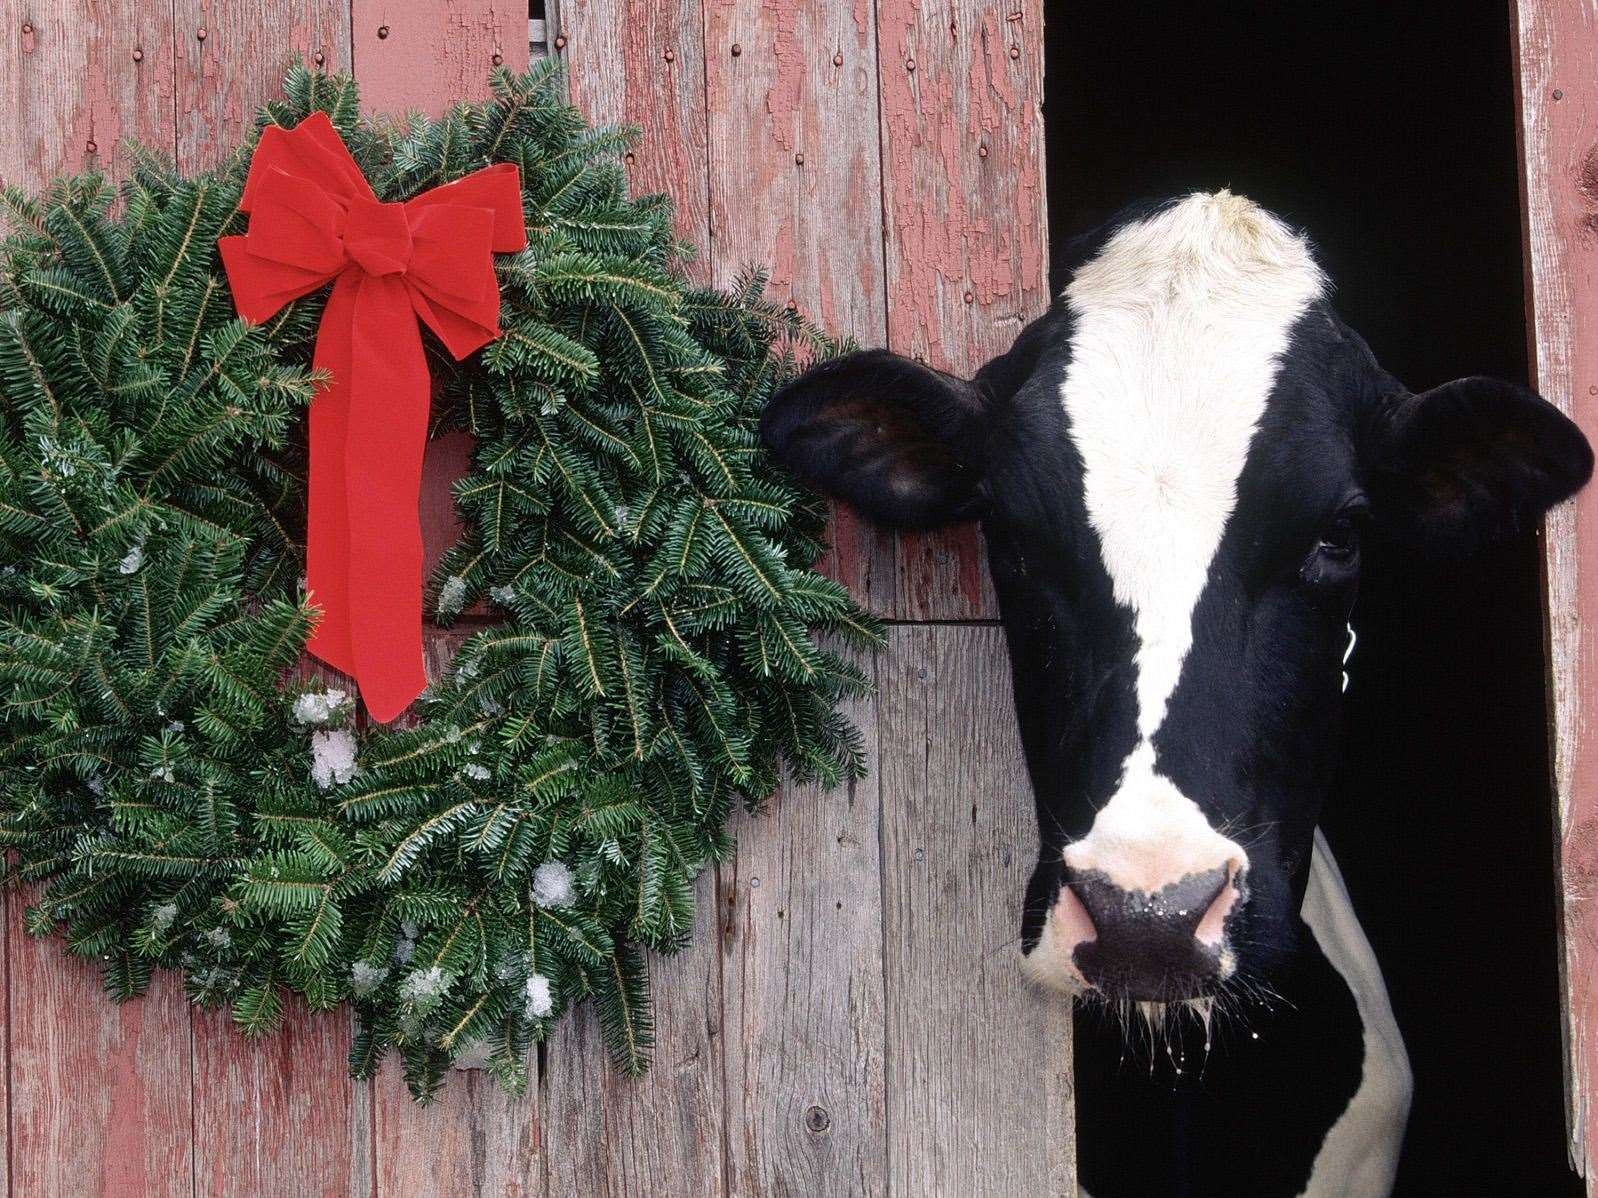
x,y
979,1064
801,918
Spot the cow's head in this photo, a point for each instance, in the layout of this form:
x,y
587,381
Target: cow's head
x,y
1174,469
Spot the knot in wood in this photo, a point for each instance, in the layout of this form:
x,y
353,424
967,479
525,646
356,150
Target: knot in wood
x,y
817,1119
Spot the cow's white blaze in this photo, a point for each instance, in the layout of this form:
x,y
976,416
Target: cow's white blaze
x,y
1180,322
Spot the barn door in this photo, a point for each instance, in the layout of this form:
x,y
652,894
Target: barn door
x,y
1556,57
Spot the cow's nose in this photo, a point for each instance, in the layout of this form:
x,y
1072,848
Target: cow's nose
x,y
1157,945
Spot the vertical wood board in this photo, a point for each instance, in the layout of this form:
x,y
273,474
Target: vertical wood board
x,y
100,1098
231,59
76,81
979,1063
966,225
424,55
801,943
644,65
795,187
1557,64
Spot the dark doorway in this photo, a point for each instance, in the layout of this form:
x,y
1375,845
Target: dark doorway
x,y
1388,132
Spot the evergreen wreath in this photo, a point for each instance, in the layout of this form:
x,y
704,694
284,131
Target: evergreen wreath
x,y
462,881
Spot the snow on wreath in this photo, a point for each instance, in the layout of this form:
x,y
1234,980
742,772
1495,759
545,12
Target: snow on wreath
x,y
643,655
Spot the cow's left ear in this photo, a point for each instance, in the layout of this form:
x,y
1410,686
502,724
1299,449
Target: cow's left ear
x,y
1471,462
898,441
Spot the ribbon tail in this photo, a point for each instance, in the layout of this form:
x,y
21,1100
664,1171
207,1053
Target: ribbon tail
x,y
327,530
383,477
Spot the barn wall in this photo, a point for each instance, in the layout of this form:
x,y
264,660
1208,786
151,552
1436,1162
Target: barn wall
x,y
849,1017
1557,58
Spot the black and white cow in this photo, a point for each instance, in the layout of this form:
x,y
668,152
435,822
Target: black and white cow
x,y
1174,469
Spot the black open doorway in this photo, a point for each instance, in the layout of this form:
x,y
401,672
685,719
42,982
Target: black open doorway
x,y
1388,132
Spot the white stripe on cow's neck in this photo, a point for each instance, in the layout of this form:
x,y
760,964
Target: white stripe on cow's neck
x,y
1180,323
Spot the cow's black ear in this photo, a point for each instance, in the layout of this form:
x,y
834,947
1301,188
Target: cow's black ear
x,y
1471,462
898,441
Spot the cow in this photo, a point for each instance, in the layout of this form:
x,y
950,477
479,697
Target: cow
x,y
1174,469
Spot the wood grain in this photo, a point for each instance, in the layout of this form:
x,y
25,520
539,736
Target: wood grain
x,y
100,1097
612,1136
963,197
1557,62
979,1064
424,55
224,76
71,90
795,186
802,960
275,1115
619,73
472,1139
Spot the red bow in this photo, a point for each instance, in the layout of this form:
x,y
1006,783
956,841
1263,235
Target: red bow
x,y
314,218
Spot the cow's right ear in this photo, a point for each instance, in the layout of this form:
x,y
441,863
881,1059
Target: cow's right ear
x,y
898,441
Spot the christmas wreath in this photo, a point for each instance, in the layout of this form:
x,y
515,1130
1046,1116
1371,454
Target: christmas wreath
x,y
194,802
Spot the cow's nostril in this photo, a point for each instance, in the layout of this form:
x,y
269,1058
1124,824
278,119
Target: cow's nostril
x,y
1153,944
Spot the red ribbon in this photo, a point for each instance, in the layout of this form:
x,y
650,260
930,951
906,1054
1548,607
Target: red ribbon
x,y
314,218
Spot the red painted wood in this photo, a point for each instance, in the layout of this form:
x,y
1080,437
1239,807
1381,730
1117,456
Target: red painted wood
x,y
71,89
620,73
424,55
795,186
963,194
99,1093
224,76
1557,63
277,1114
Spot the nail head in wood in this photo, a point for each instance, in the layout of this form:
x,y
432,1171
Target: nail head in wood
x,y
982,151
629,158
1558,95
382,31
793,305
498,60
909,64
320,58
837,60
27,28
670,55
1015,51
92,148
138,54
969,298
560,42
799,159
736,49
201,33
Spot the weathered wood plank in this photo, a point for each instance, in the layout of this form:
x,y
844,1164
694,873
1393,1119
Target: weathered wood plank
x,y
610,1135
296,1078
472,1139
795,186
76,80
801,946
1557,61
100,1098
231,59
963,194
424,55
274,1115
644,65
979,1066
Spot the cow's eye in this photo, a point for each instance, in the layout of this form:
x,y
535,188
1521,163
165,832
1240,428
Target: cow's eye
x,y
1336,553
1340,539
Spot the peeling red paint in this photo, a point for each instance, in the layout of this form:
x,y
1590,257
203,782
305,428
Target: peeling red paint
x,y
784,98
